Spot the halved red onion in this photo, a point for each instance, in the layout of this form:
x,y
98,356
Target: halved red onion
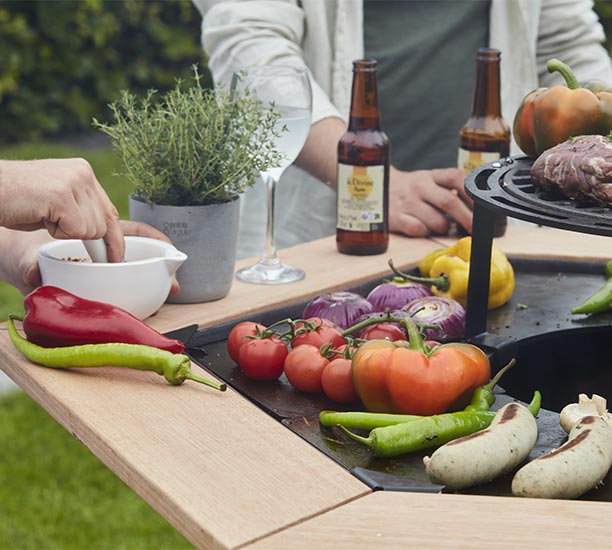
x,y
341,308
438,310
396,294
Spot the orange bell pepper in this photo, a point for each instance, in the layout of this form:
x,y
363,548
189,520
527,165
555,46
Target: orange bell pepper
x,y
393,377
549,116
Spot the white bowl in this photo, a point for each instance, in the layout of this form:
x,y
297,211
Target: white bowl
x,y
139,285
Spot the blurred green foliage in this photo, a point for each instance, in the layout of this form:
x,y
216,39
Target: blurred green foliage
x,y
62,61
604,10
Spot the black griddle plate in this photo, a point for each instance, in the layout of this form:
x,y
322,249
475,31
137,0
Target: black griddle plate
x,y
540,307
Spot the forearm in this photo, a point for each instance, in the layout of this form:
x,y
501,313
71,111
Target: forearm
x,y
319,156
18,257
5,254
570,31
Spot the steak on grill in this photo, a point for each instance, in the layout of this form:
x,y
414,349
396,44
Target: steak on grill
x,y
580,168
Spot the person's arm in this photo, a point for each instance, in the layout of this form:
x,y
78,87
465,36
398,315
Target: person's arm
x,y
236,34
569,30
18,257
62,196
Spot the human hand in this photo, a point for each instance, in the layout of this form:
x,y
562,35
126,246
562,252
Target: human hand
x,y
421,201
19,253
62,196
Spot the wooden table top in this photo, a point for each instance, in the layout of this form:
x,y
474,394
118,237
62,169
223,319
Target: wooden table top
x,y
227,475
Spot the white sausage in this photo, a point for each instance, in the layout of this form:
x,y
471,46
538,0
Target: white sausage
x,y
485,455
572,469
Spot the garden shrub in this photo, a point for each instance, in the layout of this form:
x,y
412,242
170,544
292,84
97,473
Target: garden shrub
x,y
64,62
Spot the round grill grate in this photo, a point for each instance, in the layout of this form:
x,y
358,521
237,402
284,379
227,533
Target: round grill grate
x,y
506,186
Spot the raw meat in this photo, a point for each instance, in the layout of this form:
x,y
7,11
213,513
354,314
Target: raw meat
x,y
580,168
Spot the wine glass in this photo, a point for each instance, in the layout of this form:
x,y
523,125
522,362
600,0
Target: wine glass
x,y
287,90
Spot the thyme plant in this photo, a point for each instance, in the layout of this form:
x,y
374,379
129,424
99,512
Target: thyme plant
x,y
194,146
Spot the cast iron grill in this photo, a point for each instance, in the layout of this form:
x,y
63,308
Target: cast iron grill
x,y
506,186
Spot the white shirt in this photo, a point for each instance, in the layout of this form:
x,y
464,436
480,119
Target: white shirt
x,y
327,35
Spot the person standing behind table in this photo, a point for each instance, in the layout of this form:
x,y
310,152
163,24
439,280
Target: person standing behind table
x,y
425,51
56,198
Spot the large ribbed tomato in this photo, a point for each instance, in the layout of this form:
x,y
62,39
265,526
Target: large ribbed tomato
x,y
390,377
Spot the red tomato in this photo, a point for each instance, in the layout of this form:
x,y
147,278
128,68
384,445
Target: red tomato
x,y
325,333
238,336
304,366
382,331
262,358
337,381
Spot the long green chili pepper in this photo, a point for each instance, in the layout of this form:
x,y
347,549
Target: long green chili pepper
x,y
429,431
483,396
363,420
176,368
482,399
600,300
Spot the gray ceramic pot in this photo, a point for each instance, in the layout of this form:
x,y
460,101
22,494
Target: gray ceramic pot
x,y
208,235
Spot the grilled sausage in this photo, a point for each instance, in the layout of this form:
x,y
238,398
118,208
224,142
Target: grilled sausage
x,y
485,455
572,469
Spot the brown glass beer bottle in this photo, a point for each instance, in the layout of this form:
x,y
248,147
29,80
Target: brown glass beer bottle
x,y
485,137
362,225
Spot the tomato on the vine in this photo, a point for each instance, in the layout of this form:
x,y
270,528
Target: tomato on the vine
x,y
263,358
324,333
239,335
337,381
382,331
304,366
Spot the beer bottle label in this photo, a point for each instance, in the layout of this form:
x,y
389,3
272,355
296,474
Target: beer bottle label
x,y
470,160
360,198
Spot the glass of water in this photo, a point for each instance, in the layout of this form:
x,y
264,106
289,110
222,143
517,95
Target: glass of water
x,y
288,91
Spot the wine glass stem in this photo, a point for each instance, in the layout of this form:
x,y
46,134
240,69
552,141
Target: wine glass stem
x,y
269,253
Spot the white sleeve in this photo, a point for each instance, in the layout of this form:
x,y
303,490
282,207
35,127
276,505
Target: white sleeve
x,y
239,33
570,31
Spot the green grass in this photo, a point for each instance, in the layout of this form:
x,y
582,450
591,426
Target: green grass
x,y
54,493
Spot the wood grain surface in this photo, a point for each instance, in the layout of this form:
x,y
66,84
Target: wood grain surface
x,y
226,474
420,521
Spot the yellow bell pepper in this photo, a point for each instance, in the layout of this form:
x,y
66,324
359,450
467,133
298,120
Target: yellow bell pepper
x,y
451,266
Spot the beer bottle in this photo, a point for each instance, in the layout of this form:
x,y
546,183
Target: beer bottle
x,y
362,226
485,137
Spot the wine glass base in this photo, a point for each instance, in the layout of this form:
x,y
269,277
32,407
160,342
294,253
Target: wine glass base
x,y
270,273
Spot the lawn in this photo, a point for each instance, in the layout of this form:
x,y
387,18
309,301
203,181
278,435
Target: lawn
x,y
54,493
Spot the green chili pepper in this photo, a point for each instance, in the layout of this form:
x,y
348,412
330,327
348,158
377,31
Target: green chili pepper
x,y
429,431
482,399
364,420
176,368
601,300
483,396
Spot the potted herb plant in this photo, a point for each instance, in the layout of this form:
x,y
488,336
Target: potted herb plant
x,y
190,154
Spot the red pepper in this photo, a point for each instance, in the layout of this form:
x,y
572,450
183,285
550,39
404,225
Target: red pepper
x,y
57,318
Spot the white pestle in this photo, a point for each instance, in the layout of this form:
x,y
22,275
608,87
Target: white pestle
x,y
96,249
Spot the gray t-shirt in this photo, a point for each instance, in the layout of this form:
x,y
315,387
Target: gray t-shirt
x,y
426,51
